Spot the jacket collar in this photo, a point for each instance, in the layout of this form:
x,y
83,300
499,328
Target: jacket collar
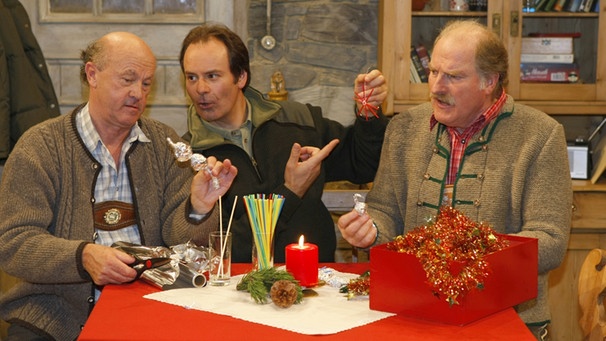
x,y
202,138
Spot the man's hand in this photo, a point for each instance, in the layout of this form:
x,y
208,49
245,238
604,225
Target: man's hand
x,y
107,265
357,229
375,82
303,166
203,194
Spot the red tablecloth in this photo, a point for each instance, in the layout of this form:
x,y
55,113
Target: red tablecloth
x,y
123,314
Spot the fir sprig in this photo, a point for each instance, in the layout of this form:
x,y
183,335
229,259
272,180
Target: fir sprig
x,y
258,283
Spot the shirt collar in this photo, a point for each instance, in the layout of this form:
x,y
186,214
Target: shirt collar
x,y
225,133
490,114
91,137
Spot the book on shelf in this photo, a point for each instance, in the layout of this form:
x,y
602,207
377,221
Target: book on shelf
x,y
549,72
585,4
547,45
549,5
555,34
573,5
416,61
559,5
547,58
424,57
414,75
540,6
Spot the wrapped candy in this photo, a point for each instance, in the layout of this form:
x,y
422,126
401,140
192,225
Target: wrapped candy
x,y
184,153
359,204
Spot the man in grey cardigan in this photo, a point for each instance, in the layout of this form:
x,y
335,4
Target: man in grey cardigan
x,y
78,183
472,148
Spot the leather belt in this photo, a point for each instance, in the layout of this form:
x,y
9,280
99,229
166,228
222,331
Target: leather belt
x,y
114,215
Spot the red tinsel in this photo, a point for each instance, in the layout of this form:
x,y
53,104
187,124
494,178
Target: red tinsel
x,y
451,250
359,286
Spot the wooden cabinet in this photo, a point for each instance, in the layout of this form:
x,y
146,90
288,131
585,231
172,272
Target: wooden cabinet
x,y
400,28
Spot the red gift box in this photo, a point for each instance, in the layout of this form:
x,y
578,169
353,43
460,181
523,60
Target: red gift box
x,y
399,284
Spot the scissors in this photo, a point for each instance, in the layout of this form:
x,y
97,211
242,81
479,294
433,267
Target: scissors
x,y
141,264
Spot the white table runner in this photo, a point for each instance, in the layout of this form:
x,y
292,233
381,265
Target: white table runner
x,y
327,313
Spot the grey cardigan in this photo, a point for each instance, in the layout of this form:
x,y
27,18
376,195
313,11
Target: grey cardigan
x,y
514,176
47,218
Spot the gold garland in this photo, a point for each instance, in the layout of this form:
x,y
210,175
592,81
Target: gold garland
x,y
451,251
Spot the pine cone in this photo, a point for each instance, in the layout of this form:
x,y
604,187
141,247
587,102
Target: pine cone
x,y
283,293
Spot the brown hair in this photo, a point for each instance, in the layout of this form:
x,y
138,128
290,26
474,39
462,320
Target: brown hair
x,y
239,61
95,53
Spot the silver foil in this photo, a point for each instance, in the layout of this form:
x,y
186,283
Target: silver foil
x,y
187,268
183,152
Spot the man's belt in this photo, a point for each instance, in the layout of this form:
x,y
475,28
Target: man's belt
x,y
114,215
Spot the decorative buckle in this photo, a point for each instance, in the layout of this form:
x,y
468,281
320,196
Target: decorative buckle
x,y
112,216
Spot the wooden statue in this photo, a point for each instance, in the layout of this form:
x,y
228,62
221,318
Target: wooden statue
x,y
278,89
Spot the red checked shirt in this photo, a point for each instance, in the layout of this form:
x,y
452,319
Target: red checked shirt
x,y
459,139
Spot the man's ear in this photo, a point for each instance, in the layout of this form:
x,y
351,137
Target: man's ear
x,y
242,79
491,82
90,69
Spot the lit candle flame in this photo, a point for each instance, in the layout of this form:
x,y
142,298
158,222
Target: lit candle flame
x,y
301,241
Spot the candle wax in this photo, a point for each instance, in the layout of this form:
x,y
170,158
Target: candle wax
x,y
302,263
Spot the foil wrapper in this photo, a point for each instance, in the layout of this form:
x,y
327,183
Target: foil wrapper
x,y
188,267
183,153
332,277
359,204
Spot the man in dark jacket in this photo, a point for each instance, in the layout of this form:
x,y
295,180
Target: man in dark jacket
x,y
284,148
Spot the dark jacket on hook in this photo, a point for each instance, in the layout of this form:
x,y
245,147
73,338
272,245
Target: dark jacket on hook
x,y
27,96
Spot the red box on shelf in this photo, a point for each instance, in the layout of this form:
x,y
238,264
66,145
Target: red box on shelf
x,y
549,73
399,285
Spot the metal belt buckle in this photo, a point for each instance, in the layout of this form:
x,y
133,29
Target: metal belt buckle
x,y
112,216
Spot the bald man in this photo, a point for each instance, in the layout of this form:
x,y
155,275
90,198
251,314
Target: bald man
x,y
85,180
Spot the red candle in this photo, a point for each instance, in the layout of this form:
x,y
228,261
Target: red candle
x,y
302,262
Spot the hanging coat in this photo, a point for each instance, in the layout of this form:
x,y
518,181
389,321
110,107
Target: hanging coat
x,y
27,96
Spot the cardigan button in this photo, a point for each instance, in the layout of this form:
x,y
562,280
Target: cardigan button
x,y
90,299
484,147
476,203
419,203
95,236
480,176
426,176
435,150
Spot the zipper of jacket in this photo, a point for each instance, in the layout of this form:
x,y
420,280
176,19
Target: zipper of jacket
x,y
254,164
253,161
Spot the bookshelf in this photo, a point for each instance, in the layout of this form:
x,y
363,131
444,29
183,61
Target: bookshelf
x,y
400,28
577,105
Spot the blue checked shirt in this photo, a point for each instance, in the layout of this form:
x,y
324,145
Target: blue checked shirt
x,y
112,183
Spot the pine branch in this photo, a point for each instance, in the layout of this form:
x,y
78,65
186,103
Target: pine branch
x,y
258,283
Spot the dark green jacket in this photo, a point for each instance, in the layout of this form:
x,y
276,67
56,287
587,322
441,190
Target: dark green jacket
x,y
277,125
